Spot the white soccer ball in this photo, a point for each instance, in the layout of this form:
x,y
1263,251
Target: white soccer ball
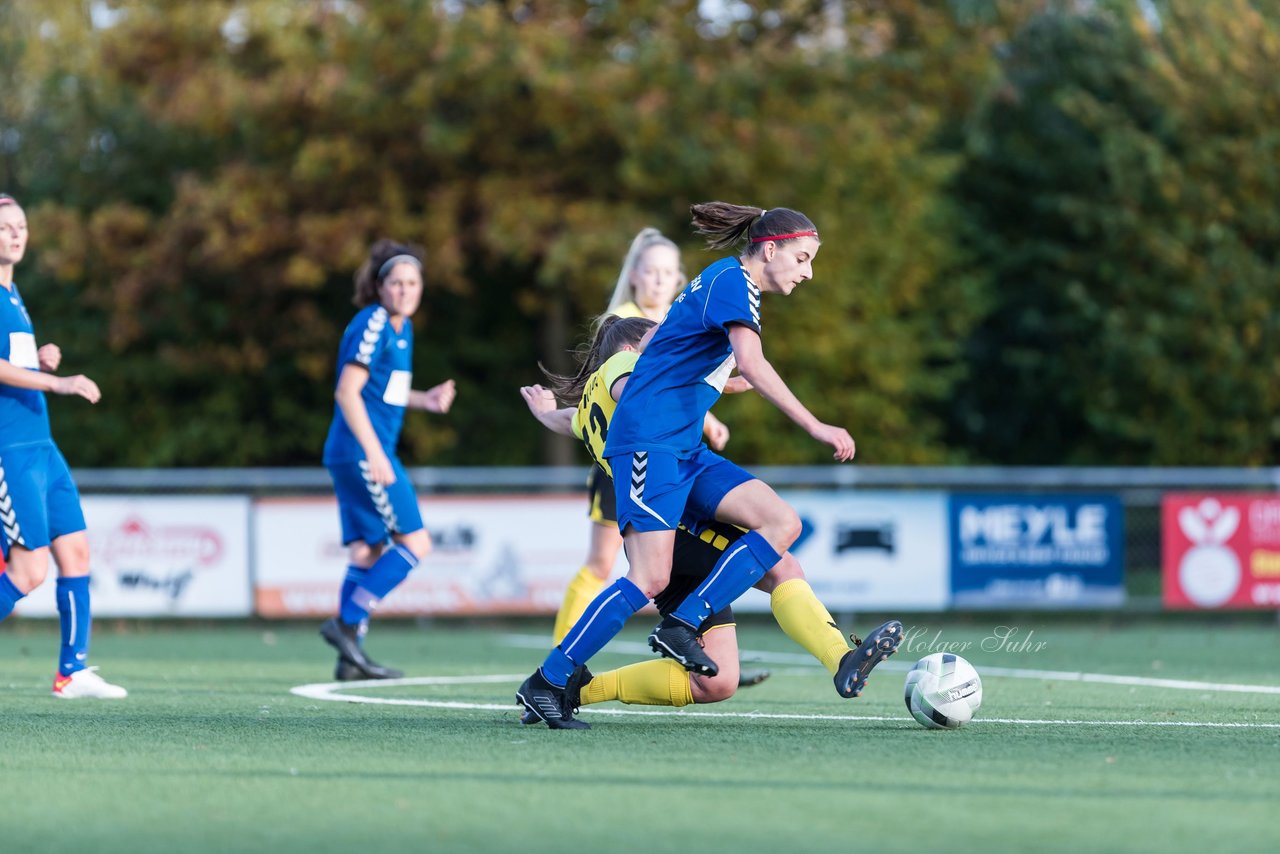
x,y
943,691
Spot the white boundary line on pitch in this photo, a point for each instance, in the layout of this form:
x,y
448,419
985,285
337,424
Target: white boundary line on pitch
x,y
752,656
329,691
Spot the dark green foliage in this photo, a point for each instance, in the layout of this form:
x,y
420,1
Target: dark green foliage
x,y
1123,184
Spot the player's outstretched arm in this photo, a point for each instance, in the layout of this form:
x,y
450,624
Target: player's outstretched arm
x,y
79,384
350,383
756,368
542,403
436,399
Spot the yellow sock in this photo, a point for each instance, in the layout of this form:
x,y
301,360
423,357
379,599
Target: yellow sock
x,y
584,587
660,682
807,622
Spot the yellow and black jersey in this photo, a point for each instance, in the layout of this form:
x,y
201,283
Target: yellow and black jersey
x,y
591,419
628,309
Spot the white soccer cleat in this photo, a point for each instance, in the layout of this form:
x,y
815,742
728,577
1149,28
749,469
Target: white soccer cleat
x,y
86,684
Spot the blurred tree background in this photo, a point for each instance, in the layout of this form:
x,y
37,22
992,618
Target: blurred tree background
x,y
1050,228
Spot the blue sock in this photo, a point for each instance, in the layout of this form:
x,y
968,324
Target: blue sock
x,y
9,595
73,612
381,579
743,563
355,575
597,626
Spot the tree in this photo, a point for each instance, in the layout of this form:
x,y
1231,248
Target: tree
x,y
210,174
1121,182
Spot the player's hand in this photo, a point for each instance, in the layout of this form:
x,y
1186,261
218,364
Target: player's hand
x,y
439,398
380,469
49,357
736,385
716,431
838,438
540,400
79,384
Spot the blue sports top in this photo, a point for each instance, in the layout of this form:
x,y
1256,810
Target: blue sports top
x,y
682,372
373,343
24,416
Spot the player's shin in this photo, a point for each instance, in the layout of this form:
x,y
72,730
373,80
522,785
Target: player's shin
x,y
9,595
383,577
72,595
807,622
743,563
602,620
660,682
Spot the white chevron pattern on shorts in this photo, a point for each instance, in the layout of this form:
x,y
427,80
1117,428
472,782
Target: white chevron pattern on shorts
x,y
639,469
8,514
381,501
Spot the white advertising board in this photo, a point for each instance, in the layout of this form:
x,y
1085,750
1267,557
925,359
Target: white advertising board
x,y
516,554
866,551
491,555
155,556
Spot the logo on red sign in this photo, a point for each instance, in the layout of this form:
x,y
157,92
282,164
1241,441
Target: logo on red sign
x,y
1221,551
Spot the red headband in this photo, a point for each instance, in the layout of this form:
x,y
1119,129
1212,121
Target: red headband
x,y
784,236
7,200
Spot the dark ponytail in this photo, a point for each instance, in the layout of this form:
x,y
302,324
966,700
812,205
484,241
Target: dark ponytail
x,y
612,335
724,224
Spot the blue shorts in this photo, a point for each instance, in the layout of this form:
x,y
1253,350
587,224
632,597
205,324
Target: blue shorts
x,y
659,490
39,501
371,512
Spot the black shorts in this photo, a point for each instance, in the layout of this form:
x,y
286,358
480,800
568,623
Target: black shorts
x,y
604,504
693,559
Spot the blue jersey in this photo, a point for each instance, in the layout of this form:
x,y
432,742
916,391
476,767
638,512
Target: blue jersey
x,y
683,370
373,343
24,416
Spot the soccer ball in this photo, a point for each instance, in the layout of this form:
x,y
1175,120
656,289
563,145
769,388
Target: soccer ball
x,y
943,691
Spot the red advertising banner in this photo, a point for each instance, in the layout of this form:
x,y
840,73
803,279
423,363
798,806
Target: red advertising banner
x,y
1221,551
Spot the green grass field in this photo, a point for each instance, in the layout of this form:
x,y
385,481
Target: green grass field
x,y
211,751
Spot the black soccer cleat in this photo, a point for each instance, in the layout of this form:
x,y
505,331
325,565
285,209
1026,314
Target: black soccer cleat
x,y
857,664
346,640
545,702
572,694
677,641
747,678
345,671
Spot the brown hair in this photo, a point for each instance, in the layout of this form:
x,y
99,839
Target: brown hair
x,y
724,224
613,334
370,274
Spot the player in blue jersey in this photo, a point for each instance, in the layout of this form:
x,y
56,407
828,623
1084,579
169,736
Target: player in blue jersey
x,y
39,503
381,524
665,475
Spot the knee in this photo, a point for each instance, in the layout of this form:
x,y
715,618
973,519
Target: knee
x,y
652,580
714,689
598,566
419,542
783,530
786,569
28,569
363,555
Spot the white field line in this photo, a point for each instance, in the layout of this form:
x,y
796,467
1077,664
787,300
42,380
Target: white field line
x,y
764,657
330,691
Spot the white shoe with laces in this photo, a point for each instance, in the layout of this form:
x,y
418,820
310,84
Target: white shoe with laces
x,y
86,684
